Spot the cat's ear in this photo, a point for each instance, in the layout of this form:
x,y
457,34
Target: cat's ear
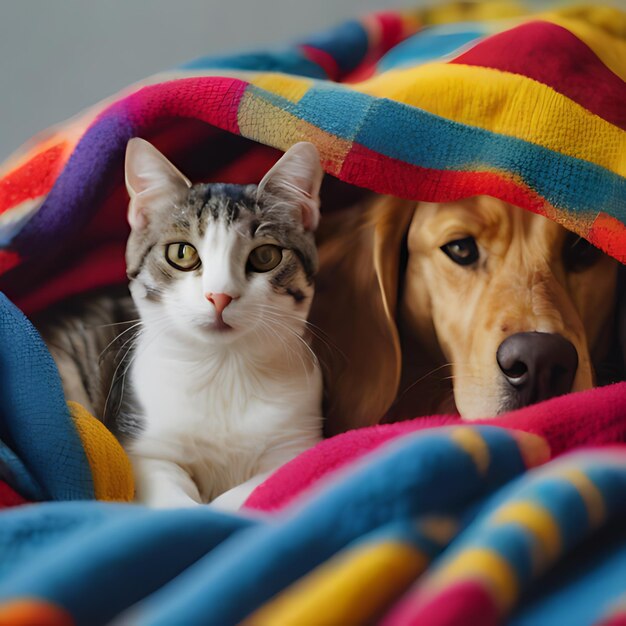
x,y
296,178
151,180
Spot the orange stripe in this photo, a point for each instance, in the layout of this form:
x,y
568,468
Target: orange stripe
x,y
33,179
33,612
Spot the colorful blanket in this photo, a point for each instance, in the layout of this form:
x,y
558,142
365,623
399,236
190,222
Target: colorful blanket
x,y
432,521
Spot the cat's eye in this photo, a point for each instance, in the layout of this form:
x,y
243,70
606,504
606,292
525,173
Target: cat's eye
x,y
462,251
265,258
579,254
183,256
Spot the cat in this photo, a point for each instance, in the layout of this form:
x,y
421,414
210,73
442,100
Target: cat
x,y
221,386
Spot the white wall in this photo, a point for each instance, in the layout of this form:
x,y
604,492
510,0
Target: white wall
x,y
58,56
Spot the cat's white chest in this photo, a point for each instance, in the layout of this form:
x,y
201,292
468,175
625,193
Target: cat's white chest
x,y
223,421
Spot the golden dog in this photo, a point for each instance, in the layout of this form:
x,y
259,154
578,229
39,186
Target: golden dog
x,y
475,305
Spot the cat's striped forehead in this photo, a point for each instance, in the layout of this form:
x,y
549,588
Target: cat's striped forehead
x,y
221,202
224,223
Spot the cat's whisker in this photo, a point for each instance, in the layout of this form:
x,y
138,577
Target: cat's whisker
x,y
315,330
125,322
289,349
110,344
204,409
112,385
277,319
114,379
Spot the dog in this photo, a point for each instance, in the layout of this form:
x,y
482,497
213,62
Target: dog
x,y
474,306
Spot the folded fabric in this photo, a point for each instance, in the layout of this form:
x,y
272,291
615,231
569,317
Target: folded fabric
x,y
595,417
426,522
49,450
527,109
384,540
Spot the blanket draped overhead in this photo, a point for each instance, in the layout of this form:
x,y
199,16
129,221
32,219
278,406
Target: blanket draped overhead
x,y
430,521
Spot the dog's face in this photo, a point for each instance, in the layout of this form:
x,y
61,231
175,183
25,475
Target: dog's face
x,y
513,302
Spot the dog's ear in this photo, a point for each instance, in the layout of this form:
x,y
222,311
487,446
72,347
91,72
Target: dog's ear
x,y
355,311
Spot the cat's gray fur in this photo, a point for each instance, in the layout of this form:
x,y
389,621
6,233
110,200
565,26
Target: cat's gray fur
x,y
91,337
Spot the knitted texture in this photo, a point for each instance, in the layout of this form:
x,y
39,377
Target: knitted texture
x,y
528,109
430,521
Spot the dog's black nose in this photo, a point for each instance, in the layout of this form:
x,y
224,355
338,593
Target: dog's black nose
x,y
537,365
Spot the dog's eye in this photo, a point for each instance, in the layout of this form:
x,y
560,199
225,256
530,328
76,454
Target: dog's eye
x,y
462,251
579,254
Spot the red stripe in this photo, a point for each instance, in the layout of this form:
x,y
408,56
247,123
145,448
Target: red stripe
x,y
8,260
215,101
364,167
619,619
609,234
33,179
392,29
323,59
100,267
463,602
8,497
551,55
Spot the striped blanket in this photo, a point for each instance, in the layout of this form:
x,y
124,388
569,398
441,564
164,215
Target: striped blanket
x,y
520,519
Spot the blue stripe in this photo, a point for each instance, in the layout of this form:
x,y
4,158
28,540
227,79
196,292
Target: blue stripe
x,y
422,139
404,480
316,103
285,60
35,422
428,45
347,43
611,484
581,590
14,473
514,544
100,558
409,532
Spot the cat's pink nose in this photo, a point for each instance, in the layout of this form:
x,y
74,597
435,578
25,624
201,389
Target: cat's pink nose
x,y
220,300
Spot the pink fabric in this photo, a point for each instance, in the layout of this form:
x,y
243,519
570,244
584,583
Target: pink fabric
x,y
593,417
461,604
615,620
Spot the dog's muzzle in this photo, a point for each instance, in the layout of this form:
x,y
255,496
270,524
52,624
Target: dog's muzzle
x,y
536,366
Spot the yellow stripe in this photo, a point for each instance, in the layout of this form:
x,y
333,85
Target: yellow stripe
x,y
483,565
593,499
289,87
352,588
111,470
472,442
281,129
537,520
507,104
451,12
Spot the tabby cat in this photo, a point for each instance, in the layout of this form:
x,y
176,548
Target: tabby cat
x,y
214,384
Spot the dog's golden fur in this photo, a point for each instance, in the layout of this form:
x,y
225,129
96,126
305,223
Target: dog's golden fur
x,y
408,332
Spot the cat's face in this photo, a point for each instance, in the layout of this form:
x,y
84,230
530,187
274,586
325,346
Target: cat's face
x,y
215,263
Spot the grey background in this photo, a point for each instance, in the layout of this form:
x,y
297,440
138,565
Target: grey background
x,y
59,56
